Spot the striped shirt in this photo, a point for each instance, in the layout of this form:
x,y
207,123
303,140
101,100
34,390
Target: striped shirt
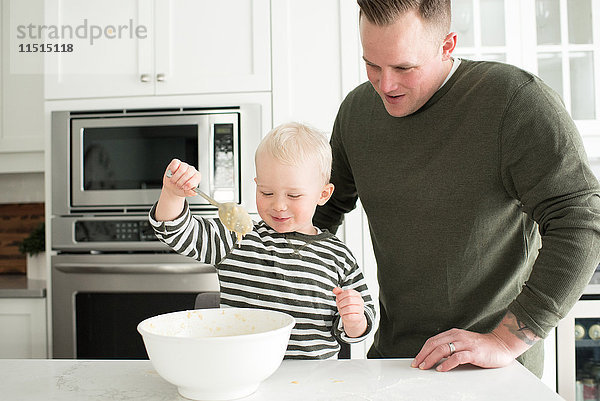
x,y
289,272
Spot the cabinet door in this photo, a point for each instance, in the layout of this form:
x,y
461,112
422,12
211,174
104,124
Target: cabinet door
x,y
21,93
23,328
316,59
205,46
111,53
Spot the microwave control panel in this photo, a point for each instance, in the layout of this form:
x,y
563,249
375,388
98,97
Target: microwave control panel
x,y
113,231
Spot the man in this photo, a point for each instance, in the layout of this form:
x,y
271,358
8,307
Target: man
x,y
465,170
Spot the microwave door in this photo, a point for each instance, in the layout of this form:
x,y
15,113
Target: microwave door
x,y
119,162
224,157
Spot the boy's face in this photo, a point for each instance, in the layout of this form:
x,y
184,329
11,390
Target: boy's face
x,y
287,196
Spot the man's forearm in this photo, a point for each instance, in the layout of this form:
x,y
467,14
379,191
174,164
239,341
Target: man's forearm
x,y
514,334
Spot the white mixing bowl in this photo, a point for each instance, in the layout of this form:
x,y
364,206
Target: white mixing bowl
x,y
217,354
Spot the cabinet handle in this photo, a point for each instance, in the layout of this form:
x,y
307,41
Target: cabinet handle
x,y
145,77
160,77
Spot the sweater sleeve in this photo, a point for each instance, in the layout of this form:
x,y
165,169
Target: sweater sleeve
x,y
331,215
204,239
353,279
545,168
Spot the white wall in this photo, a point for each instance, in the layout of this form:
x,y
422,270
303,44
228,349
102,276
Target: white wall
x,y
22,188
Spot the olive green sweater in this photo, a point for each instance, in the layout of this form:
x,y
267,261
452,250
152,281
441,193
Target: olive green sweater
x,y
460,196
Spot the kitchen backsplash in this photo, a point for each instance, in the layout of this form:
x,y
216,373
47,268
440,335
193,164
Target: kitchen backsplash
x,y
17,220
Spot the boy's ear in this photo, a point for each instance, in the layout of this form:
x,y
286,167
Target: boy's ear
x,y
325,194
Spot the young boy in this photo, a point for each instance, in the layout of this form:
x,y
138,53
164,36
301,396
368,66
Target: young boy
x,y
285,263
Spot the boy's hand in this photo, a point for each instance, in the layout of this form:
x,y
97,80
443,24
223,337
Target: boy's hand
x,y
352,310
183,180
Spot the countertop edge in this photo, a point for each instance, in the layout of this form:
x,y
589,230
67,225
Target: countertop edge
x,y
20,286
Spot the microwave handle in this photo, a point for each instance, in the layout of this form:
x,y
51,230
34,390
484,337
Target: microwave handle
x,y
133,268
205,158
211,157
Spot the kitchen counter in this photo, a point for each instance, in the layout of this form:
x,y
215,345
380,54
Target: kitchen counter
x,y
19,286
375,379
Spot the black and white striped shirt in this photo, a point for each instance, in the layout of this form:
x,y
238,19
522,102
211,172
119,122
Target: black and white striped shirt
x,y
289,272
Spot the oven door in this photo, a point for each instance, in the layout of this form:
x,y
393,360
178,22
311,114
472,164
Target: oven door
x,y
120,161
98,300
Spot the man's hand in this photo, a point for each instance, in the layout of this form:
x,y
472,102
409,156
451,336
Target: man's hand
x,y
492,350
352,310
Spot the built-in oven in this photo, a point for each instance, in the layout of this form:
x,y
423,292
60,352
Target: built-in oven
x,y
108,270
98,299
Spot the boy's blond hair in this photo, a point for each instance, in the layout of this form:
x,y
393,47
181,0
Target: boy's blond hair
x,y
293,143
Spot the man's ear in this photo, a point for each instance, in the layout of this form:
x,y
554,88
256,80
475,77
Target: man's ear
x,y
448,45
325,194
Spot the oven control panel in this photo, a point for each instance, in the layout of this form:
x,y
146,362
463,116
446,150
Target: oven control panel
x,y
113,231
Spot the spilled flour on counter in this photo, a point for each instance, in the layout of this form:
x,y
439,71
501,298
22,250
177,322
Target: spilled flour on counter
x,y
409,389
420,389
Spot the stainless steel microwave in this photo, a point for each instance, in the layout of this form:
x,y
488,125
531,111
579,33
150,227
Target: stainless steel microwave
x,y
114,161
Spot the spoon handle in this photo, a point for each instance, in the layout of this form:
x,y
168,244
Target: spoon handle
x,y
199,192
208,198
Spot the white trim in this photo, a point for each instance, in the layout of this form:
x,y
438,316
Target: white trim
x,y
596,50
565,51
477,28
350,47
514,31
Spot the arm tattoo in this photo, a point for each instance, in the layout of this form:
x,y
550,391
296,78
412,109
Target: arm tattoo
x,y
521,331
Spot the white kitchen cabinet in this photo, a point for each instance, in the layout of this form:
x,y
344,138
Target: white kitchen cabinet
x,y
160,47
21,103
23,328
316,59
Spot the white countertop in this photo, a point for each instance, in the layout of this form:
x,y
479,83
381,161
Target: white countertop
x,y
348,380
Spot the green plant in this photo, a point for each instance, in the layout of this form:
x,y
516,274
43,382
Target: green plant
x,y
35,242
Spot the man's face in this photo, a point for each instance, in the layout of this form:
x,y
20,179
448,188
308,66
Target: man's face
x,y
406,62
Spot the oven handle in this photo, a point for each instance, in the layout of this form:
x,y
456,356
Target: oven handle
x,y
133,268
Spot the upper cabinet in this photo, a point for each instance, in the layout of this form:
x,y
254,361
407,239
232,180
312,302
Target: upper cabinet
x,y
316,59
161,47
21,95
